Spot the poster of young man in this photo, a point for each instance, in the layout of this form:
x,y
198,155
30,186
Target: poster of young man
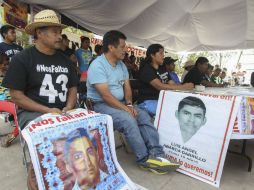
x,y
195,130
75,151
246,115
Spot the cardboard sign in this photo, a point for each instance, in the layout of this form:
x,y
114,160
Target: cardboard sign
x,y
195,131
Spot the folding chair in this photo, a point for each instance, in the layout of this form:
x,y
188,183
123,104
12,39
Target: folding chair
x,y
9,107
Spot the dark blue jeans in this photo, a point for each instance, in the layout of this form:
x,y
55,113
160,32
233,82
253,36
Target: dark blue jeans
x,y
139,132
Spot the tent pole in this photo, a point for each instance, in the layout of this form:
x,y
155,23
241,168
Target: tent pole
x,y
241,52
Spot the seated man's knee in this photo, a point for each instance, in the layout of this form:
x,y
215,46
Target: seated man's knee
x,y
125,120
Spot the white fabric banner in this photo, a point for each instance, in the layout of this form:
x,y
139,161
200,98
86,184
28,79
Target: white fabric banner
x,y
75,151
179,25
195,131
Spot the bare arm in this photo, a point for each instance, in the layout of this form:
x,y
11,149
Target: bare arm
x,y
71,99
127,92
109,98
156,83
21,100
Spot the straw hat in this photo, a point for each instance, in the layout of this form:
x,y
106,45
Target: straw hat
x,y
43,18
189,63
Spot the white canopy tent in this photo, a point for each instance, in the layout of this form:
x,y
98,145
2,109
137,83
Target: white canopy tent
x,y
179,25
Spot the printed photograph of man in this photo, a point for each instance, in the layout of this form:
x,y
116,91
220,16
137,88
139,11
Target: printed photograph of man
x,y
65,176
191,116
82,160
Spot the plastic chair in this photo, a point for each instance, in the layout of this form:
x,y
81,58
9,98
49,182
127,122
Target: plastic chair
x,y
9,107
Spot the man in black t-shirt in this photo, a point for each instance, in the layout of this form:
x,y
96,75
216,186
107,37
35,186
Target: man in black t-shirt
x,y
8,46
41,79
197,74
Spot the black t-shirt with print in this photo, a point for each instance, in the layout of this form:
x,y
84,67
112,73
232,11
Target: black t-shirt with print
x,y
10,49
194,76
146,75
43,78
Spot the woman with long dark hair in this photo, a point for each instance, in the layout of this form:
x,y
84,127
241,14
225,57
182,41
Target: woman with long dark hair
x,y
154,77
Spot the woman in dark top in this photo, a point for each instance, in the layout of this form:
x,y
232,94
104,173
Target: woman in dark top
x,y
153,78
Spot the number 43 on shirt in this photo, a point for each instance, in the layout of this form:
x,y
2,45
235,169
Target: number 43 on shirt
x,y
48,89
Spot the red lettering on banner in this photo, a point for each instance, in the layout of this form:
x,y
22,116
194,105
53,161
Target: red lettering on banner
x,y
137,52
59,119
198,169
223,97
189,166
40,123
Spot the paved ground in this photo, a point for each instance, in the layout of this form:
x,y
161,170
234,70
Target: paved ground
x,y
235,175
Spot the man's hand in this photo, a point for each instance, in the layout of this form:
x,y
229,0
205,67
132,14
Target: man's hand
x,y
65,109
130,109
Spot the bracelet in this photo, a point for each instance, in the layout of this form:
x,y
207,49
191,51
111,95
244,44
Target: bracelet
x,y
129,105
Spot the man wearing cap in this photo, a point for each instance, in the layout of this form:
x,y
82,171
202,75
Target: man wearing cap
x,y
41,79
187,67
170,67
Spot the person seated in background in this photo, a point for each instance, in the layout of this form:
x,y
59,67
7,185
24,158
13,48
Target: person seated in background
x,y
132,58
209,72
170,68
109,91
215,76
216,66
252,79
4,64
98,50
153,77
187,67
222,77
8,46
70,53
131,66
7,139
84,56
197,74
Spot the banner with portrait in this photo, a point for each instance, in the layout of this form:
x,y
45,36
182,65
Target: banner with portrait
x,y
75,151
246,115
195,131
